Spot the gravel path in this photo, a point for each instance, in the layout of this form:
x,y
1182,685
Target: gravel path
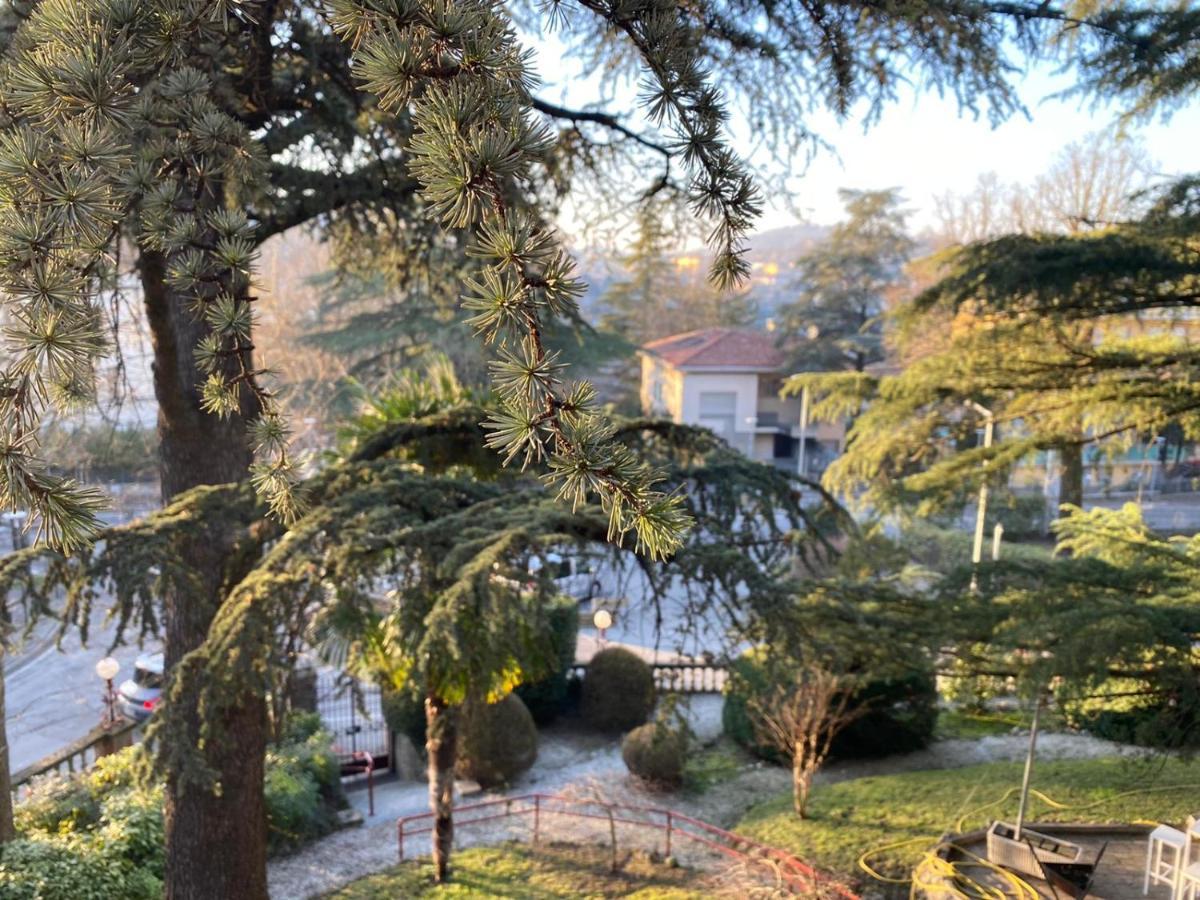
x,y
590,766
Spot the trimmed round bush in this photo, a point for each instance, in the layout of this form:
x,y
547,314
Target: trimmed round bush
x,y
901,717
656,754
546,695
496,741
618,691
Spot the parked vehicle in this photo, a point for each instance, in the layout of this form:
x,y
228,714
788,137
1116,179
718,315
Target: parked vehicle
x,y
575,576
139,696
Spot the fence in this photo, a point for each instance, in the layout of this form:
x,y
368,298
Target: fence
x,y
681,677
352,711
785,869
78,756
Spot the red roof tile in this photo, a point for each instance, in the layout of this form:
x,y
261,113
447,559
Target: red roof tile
x,y
718,348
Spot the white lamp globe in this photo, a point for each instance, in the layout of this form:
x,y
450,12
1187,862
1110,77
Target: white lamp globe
x,y
108,668
602,619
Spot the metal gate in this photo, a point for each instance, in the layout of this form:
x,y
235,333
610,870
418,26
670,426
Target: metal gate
x,y
352,711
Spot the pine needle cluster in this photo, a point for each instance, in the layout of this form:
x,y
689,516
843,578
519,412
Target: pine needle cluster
x,y
106,132
459,70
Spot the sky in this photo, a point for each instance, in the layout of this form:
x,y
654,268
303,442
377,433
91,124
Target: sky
x,y
921,144
925,147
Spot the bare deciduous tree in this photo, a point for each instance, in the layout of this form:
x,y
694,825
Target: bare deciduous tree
x,y
801,719
1091,183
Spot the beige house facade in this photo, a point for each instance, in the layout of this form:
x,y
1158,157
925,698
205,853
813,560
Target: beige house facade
x,y
728,380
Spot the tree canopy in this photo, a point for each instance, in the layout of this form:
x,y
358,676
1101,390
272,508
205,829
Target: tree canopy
x,y
1074,337
110,124
843,284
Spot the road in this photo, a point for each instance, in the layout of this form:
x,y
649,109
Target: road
x,y
53,695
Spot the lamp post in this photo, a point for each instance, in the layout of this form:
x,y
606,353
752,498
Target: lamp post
x,y
981,511
603,620
107,669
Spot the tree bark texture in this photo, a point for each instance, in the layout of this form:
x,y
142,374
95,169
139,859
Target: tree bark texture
x,y
1070,488
7,831
441,746
216,841
801,779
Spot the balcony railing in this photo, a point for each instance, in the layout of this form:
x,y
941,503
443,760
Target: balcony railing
x,y
78,756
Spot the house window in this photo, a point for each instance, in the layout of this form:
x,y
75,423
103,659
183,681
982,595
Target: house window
x,y
718,412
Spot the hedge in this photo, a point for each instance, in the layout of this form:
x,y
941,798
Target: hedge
x,y
1170,721
902,714
99,834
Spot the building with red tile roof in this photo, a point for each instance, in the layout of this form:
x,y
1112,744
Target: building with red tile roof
x,y
728,380
719,348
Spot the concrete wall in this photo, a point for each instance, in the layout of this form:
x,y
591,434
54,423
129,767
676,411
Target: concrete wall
x,y
743,385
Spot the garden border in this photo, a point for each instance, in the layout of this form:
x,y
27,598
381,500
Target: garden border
x,y
796,875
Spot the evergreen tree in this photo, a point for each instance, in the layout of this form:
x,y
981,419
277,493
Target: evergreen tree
x,y
188,132
635,304
1114,616
658,293
843,283
1041,329
451,540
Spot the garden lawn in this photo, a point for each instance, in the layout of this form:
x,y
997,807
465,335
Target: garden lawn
x,y
968,725
548,871
852,817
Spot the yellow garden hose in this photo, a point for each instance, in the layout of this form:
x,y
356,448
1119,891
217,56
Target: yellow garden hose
x,y
951,877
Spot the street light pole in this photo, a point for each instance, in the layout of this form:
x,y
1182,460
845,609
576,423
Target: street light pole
x,y
981,510
107,670
603,620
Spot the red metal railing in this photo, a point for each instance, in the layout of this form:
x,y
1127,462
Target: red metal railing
x,y
796,875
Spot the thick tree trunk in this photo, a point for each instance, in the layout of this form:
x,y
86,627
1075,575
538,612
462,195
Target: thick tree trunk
x,y
441,745
6,807
215,840
1070,487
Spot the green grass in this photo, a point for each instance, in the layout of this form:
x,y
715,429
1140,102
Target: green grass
x,y
712,766
543,873
957,723
851,817
962,723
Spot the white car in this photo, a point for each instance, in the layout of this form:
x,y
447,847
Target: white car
x,y
140,695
